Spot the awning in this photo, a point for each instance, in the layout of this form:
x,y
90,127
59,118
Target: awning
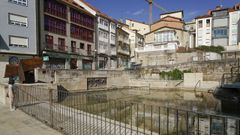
x,y
60,55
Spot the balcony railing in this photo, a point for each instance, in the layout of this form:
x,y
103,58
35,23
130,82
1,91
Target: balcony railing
x,y
56,47
123,51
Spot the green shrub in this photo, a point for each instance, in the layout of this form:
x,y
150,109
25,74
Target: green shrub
x,y
175,74
216,49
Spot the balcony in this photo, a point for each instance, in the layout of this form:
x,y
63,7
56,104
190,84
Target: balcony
x,y
124,51
56,47
113,51
104,27
170,46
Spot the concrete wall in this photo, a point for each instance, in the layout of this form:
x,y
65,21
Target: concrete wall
x,y
192,79
7,29
3,94
77,79
161,58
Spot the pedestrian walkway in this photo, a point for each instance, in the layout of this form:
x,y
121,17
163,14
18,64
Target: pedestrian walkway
x,y
19,123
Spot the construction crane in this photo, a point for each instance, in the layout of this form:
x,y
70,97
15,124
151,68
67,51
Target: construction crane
x,y
151,3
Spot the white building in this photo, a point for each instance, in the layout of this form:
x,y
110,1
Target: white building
x,y
136,40
141,27
234,29
204,30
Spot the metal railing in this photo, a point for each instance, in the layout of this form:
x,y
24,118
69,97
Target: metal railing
x,y
87,113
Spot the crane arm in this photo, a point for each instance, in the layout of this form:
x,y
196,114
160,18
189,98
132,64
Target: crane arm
x,y
160,7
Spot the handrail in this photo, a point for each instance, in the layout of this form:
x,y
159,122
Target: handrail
x,y
179,83
195,88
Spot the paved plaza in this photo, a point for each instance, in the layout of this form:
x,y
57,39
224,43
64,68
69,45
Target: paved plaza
x,y
19,123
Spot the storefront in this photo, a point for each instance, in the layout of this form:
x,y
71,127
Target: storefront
x,y
87,64
54,60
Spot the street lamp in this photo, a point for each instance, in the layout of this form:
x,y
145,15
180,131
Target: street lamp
x,y
95,58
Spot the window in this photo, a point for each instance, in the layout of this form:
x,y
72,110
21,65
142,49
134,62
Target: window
x,y
113,37
101,21
220,33
208,22
73,46
19,2
49,41
106,23
55,8
165,36
61,44
16,41
82,19
81,33
89,49
82,46
55,25
200,24
132,24
113,26
18,20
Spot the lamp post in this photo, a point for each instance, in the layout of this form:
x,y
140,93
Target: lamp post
x,y
95,59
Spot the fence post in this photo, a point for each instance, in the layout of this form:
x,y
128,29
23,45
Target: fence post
x,y
51,106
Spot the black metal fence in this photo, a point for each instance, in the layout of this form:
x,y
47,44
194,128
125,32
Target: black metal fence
x,y
90,113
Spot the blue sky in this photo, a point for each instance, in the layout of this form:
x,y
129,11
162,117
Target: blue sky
x,y
138,9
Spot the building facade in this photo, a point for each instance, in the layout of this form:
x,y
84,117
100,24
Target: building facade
x,y
123,48
167,34
18,31
220,27
106,42
234,31
67,35
204,30
136,40
190,27
141,27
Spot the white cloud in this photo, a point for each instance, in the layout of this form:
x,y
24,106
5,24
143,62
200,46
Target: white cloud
x,y
139,12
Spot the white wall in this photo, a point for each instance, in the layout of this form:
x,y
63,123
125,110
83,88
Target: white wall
x,y
233,27
141,27
204,34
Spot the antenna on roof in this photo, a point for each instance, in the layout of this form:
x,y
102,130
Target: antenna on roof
x,y
221,3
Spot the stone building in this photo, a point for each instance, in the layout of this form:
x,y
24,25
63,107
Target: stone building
x,y
67,35
106,50
167,34
18,31
123,48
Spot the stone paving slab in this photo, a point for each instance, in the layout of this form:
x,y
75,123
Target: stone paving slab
x,y
19,123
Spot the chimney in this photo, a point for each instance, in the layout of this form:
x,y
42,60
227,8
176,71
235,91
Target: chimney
x,y
219,7
209,12
237,6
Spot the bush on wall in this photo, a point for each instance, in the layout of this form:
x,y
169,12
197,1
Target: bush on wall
x,y
175,74
216,49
